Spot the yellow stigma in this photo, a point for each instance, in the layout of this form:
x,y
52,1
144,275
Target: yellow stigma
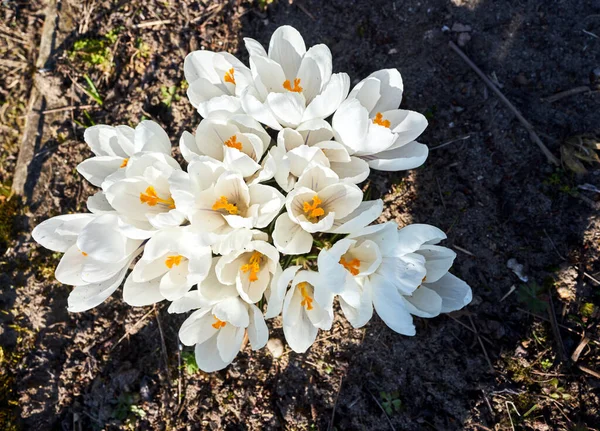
x,y
84,254
253,266
306,299
223,204
125,161
351,266
151,198
173,260
380,121
313,210
218,323
295,89
233,143
229,76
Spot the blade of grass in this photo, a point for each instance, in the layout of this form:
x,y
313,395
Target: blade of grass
x,y
92,91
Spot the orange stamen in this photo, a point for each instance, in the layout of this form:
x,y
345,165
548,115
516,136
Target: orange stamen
x,y
351,266
84,253
223,204
229,76
313,210
306,299
173,260
233,143
296,88
218,323
125,161
380,121
253,266
151,198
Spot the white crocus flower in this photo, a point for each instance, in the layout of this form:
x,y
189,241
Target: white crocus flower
x,y
97,255
370,264
250,270
292,85
174,260
318,200
297,149
218,331
302,314
143,198
238,141
218,200
216,81
113,146
372,127
440,291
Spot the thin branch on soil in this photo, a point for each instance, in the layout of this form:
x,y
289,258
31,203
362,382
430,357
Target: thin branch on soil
x,y
440,191
180,379
532,134
445,144
589,33
589,371
163,345
482,347
68,108
153,23
567,93
555,330
303,9
133,328
512,289
383,410
470,329
463,250
553,245
577,352
330,427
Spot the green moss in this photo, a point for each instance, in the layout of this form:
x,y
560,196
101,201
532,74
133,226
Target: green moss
x,y
10,208
587,309
95,52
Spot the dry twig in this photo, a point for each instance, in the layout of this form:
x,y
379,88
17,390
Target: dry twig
x,y
567,93
532,134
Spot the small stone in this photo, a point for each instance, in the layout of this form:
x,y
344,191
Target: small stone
x,y
445,29
275,347
460,28
463,39
393,51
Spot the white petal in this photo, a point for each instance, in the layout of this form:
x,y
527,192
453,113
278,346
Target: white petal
x,y
287,108
355,171
197,328
391,88
367,212
455,293
88,296
341,198
141,294
98,204
174,284
287,48
289,237
96,169
149,136
407,125
424,302
229,342
232,310
438,261
389,305
208,357
409,156
350,124
254,47
270,202
325,104
258,333
259,111
59,233
413,236
278,289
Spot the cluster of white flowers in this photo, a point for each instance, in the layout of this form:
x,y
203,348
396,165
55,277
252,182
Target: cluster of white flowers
x,y
258,225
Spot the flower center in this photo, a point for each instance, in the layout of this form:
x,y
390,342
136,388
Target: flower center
x,y
223,204
253,266
351,266
125,161
380,121
229,76
313,211
233,143
306,299
151,198
174,260
295,89
218,323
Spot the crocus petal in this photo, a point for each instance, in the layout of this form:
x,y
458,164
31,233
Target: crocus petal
x,y
409,156
287,48
455,293
391,88
232,310
413,236
142,294
277,291
438,260
289,237
208,357
325,104
389,305
96,169
365,213
424,302
59,233
88,296
229,342
258,333
149,136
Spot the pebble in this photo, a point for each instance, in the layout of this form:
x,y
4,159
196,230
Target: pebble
x,y
459,28
463,39
275,347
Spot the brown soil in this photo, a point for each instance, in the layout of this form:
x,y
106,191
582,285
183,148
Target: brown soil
x,y
499,364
